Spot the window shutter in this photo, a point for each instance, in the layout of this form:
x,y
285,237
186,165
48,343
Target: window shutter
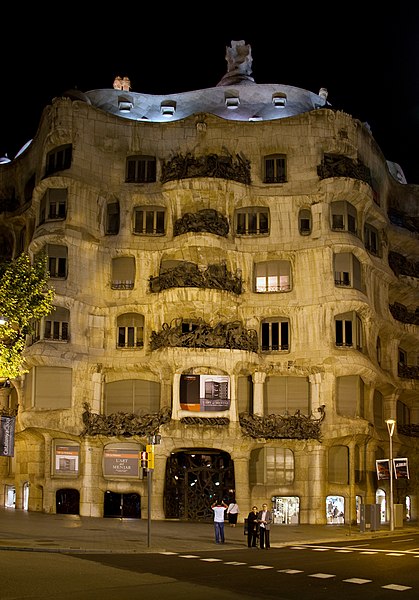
x,y
347,389
53,387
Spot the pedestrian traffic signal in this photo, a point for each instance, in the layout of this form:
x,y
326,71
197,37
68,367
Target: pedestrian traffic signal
x,y
144,461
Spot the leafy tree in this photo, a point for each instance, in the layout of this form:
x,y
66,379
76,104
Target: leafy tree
x,y
24,297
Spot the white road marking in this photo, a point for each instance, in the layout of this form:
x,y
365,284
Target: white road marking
x,y
290,571
396,587
260,567
357,580
211,559
322,575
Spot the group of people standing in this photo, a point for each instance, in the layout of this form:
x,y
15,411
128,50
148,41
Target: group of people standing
x,y
258,523
259,527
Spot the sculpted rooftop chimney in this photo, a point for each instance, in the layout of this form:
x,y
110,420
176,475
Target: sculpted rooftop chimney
x,y
239,64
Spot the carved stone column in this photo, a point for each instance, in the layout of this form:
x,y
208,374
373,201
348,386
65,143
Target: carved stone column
x,y
242,493
258,381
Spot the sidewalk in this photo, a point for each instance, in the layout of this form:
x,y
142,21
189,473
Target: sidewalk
x,y
22,530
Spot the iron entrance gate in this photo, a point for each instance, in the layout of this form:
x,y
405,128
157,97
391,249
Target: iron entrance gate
x,y
194,479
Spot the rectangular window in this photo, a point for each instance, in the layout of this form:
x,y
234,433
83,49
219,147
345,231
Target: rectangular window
x,y
252,221
53,206
275,169
273,276
59,159
275,335
344,216
57,261
141,169
112,218
123,273
371,239
149,220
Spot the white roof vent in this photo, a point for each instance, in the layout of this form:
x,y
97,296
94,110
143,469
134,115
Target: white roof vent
x,y
279,100
168,108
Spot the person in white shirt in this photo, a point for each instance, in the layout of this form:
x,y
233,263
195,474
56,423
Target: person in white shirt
x,y
219,508
233,513
265,520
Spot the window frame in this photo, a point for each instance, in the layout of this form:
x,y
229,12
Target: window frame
x,y
275,270
275,168
256,213
141,169
348,217
349,332
58,159
155,214
131,335
275,329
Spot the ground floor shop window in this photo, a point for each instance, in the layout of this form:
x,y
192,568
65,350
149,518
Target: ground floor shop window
x,y
286,510
10,496
335,510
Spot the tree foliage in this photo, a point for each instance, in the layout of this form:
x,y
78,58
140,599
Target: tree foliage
x,y
24,297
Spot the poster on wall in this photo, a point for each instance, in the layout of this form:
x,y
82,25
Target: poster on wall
x,y
203,393
66,459
383,468
401,468
7,435
121,462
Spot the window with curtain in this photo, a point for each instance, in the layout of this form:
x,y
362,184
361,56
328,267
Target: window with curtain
x,y
136,396
123,273
279,466
50,388
350,396
338,463
284,395
273,276
378,408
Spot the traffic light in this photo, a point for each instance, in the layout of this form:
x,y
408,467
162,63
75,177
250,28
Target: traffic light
x,y
144,460
150,456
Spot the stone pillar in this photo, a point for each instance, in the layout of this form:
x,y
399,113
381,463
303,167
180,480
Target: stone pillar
x,y
315,514
242,493
258,381
4,397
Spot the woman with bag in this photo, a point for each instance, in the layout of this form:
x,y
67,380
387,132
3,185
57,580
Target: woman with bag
x,y
233,513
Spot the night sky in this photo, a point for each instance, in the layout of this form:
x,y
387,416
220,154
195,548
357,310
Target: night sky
x,y
368,60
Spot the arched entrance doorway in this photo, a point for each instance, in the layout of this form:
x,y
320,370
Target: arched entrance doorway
x,y
67,502
194,479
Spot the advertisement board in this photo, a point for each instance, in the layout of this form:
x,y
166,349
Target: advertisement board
x,y
67,459
7,435
203,393
121,462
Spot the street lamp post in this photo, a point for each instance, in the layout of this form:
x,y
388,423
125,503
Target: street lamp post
x,y
390,426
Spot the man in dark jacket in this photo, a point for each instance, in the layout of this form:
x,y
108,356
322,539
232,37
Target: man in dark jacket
x,y
252,527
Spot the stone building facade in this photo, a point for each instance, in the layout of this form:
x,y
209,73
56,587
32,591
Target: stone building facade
x,y
235,273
